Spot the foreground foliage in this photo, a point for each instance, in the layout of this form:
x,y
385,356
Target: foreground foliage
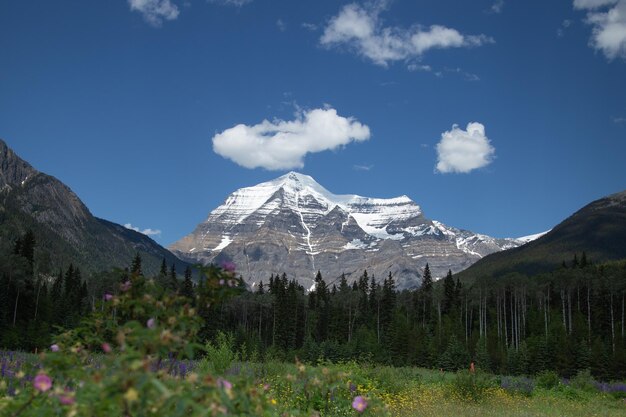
x,y
132,357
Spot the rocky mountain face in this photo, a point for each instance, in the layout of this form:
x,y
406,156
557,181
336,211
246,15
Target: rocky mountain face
x,y
598,230
294,225
64,228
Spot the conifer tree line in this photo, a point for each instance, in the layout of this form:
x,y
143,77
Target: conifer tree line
x,y
568,320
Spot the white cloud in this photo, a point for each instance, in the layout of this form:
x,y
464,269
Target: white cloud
x,y
282,144
497,6
564,26
362,167
608,18
309,26
155,11
619,120
360,29
592,4
282,26
147,232
237,3
463,151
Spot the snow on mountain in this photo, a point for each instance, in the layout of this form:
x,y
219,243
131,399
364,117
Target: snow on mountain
x,y
293,224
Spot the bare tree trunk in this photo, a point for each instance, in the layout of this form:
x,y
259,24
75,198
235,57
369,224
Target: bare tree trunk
x,y
37,301
563,308
612,325
545,314
506,332
17,297
622,316
589,311
569,309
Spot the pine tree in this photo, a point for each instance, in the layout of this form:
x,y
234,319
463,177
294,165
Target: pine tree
x,y
163,271
135,268
187,289
173,283
449,293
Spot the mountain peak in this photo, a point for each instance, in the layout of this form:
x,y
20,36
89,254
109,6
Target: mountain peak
x,y
14,171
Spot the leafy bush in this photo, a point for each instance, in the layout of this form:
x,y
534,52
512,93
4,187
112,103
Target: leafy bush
x,y
583,381
472,386
219,355
548,380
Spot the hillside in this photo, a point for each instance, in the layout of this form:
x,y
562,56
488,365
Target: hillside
x,y
598,229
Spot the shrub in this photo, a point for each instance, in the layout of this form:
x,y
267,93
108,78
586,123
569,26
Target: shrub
x,y
583,381
548,380
472,385
219,355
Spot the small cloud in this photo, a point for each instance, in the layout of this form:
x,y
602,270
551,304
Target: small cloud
x,y
362,167
236,3
560,32
462,151
281,145
359,29
419,67
309,26
147,232
281,25
496,7
155,11
424,145
467,75
608,21
619,120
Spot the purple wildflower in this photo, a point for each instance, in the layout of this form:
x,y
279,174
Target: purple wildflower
x,y
108,297
126,286
42,382
151,323
54,348
224,383
359,404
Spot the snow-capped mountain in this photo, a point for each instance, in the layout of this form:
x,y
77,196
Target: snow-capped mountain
x,y
294,225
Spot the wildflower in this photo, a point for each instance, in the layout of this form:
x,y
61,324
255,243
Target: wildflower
x,y
108,297
131,395
106,348
54,348
67,398
223,383
228,266
151,323
42,382
222,282
126,286
359,404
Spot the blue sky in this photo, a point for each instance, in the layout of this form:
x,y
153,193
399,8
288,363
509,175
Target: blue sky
x,y
122,100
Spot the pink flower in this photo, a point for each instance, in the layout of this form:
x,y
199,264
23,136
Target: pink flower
x,y
126,286
106,348
228,266
359,404
151,323
223,383
42,382
54,348
222,282
67,398
108,297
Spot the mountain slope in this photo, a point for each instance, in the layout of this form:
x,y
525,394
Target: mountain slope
x,y
292,224
598,229
64,228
